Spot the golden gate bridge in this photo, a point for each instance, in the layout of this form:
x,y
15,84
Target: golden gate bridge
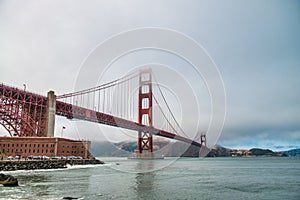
x,y
119,103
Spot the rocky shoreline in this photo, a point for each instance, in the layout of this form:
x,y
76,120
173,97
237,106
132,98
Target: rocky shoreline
x,y
44,164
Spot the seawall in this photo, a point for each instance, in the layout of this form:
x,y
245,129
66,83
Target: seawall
x,y
44,164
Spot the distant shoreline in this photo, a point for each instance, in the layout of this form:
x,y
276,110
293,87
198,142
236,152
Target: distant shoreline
x,y
178,149
219,151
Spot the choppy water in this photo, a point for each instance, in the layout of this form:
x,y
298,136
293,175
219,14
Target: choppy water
x,y
187,178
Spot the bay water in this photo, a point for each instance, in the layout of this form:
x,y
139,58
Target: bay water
x,y
169,178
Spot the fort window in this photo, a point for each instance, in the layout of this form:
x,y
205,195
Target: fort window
x,y
17,145
12,145
33,151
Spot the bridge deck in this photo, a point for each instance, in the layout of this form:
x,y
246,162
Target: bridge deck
x,y
71,111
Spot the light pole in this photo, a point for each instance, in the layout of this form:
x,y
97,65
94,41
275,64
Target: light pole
x,y
62,130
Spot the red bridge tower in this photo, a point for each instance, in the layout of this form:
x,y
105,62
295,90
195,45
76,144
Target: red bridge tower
x,y
145,113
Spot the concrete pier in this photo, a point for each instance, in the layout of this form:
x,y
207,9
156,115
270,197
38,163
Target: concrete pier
x,y
51,110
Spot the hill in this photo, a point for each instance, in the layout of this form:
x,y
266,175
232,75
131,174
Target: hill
x,y
179,149
292,152
160,147
107,149
218,151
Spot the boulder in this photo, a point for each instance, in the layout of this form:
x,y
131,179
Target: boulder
x,y
8,180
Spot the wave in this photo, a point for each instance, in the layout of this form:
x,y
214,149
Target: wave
x,y
69,167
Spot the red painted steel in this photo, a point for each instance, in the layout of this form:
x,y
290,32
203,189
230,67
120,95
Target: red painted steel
x,y
24,114
145,110
74,112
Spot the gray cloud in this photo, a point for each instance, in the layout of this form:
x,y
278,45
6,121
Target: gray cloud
x,y
255,45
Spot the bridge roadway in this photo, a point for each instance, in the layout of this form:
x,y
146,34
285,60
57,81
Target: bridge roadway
x,y
70,111
75,112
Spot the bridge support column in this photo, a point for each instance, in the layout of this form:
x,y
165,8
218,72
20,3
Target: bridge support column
x,y
145,143
203,139
51,110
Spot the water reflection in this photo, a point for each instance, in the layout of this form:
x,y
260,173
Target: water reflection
x,y
145,179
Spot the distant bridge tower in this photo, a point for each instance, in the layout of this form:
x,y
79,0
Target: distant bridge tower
x,y
145,112
203,139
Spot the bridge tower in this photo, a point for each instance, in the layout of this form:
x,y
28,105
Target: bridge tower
x,y
145,143
203,139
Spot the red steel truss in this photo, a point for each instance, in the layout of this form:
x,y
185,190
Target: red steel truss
x,y
22,113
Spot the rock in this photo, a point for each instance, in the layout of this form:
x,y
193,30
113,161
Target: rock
x,y
8,180
50,164
70,198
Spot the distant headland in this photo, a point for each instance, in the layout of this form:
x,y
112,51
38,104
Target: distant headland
x,y
218,151
176,149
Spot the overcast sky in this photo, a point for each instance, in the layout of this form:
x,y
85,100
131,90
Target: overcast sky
x,y
255,45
